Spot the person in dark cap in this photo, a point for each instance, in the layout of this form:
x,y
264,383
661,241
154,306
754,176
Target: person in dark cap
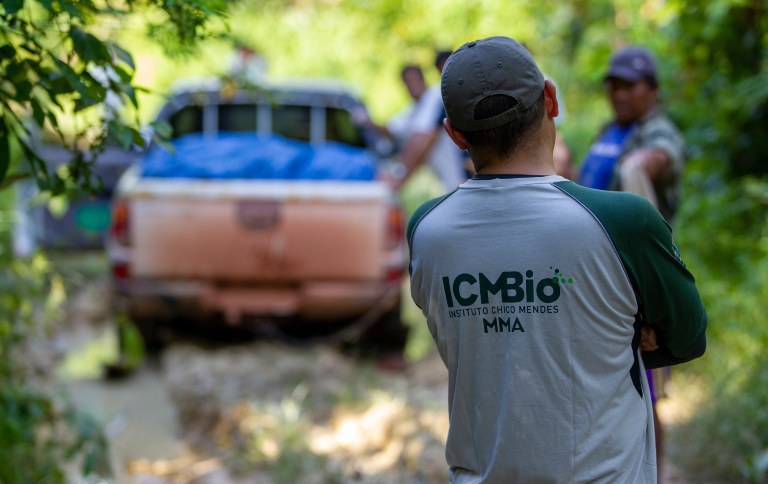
x,y
640,150
546,300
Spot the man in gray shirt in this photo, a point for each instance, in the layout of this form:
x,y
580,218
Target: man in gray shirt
x,y
546,300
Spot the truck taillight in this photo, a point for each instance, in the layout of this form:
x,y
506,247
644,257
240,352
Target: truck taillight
x,y
121,271
120,228
394,227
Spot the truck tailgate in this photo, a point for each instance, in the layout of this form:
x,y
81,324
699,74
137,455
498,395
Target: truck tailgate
x,y
258,230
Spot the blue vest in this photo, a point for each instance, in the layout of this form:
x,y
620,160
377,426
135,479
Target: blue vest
x,y
597,169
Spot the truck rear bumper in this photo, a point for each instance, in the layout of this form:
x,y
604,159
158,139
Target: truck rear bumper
x,y
321,301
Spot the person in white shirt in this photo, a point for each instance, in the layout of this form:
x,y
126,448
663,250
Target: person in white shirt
x,y
428,142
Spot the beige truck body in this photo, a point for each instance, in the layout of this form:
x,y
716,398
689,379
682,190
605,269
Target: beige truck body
x,y
317,250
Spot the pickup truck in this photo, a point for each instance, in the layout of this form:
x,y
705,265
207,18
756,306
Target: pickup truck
x,y
267,218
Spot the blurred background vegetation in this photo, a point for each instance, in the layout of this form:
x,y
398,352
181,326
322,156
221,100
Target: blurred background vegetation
x,y
714,75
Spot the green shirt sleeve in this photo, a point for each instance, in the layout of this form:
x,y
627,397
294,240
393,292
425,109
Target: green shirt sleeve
x,y
666,291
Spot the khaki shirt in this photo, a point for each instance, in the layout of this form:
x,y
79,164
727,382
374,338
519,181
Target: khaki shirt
x,y
656,130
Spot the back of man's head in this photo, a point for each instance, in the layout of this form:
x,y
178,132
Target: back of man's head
x,y
493,93
440,57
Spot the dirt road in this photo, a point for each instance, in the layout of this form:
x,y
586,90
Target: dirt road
x,y
258,412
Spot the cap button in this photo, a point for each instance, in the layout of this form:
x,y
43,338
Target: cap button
x,y
472,44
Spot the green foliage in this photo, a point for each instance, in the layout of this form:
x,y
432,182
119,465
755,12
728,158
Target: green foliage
x,y
722,227
43,433
723,51
722,223
37,428
712,61
57,76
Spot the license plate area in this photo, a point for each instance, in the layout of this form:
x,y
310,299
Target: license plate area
x,y
258,215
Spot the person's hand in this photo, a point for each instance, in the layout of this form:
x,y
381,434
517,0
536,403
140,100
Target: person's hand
x,y
648,339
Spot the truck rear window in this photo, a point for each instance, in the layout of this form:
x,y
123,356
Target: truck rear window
x,y
340,127
237,117
292,121
188,119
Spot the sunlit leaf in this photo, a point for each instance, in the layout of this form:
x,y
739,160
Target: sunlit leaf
x,y
75,81
121,54
162,128
131,93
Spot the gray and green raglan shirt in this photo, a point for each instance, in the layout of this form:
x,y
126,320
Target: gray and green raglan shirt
x,y
534,290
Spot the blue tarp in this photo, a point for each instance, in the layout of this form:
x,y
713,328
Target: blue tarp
x,y
252,156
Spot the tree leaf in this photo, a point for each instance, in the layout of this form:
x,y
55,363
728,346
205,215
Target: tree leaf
x,y
7,52
38,114
121,134
121,54
48,4
52,119
162,128
13,6
23,89
11,179
74,80
131,93
124,75
5,150
88,47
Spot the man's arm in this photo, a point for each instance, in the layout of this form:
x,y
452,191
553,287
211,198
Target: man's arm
x,y
655,152
669,302
426,127
414,153
641,168
654,161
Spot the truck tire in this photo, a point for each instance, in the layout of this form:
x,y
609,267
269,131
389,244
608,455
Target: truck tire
x,y
153,333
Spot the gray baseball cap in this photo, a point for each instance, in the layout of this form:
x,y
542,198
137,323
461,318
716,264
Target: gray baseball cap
x,y
632,64
496,65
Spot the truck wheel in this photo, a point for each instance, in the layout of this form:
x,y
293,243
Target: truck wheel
x,y
153,334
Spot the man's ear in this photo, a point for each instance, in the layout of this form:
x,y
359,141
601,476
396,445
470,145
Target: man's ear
x,y
550,99
456,135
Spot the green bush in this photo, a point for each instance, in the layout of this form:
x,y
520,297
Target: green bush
x,y
41,435
723,229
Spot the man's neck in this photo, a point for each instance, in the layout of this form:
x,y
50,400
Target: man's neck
x,y
532,158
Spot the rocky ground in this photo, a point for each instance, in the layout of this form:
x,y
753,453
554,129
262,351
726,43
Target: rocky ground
x,y
258,411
